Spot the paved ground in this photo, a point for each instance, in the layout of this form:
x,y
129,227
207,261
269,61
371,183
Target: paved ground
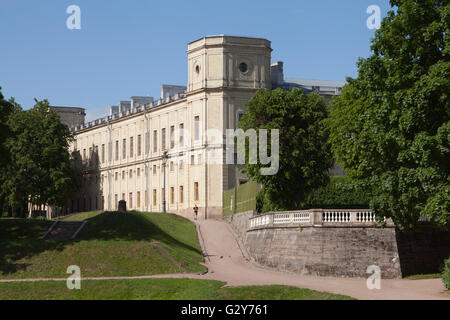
x,y
226,262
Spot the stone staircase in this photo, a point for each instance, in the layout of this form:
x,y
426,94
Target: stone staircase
x,y
64,230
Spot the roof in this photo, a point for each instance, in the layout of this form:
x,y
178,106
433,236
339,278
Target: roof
x,y
315,83
227,36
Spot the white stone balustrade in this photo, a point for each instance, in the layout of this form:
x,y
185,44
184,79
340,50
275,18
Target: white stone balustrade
x,y
292,217
314,217
365,216
262,220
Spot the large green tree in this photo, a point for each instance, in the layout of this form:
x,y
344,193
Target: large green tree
x,y
40,168
7,108
390,128
304,154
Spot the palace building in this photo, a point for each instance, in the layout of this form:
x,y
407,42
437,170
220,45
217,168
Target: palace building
x,y
145,144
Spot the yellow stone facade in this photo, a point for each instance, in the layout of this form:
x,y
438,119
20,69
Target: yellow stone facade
x,y
122,155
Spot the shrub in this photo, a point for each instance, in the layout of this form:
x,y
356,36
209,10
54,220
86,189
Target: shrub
x,y
341,192
446,274
264,203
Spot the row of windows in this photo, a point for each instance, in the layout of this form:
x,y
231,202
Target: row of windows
x,y
147,140
90,179
91,203
155,201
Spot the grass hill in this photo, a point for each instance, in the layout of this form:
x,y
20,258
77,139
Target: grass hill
x,y
111,244
116,244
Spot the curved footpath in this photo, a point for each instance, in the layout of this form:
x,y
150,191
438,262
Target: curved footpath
x,y
226,262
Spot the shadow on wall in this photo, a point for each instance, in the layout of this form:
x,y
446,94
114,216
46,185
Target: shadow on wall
x,y
423,251
90,196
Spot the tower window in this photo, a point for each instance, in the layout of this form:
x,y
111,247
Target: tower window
x,y
243,67
196,128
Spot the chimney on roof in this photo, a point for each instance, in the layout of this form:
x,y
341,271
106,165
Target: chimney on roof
x,y
113,110
124,106
170,90
139,101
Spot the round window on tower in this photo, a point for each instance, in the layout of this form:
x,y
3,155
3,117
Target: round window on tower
x,y
243,67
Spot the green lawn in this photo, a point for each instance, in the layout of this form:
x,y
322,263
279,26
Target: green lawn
x,y
156,289
425,276
111,244
83,216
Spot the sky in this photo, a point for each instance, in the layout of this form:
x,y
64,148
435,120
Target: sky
x,y
130,48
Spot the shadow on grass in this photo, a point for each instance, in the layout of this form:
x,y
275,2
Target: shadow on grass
x,y
132,226
21,238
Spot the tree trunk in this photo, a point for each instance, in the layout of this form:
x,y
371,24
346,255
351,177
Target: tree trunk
x,y
30,209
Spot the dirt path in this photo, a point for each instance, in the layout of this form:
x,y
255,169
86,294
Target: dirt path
x,y
226,262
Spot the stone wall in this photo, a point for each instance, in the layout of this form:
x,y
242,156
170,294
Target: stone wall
x,y
240,223
342,249
326,251
70,116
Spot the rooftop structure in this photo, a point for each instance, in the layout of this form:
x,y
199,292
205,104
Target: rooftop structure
x,y
70,116
171,93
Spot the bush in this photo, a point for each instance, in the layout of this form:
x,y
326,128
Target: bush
x,y
446,274
340,193
264,203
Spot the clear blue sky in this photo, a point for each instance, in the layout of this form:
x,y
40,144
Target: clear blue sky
x,y
127,48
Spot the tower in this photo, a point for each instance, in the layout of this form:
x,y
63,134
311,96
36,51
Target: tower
x,y
224,72
228,62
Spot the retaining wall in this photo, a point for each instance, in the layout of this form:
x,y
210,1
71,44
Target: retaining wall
x,y
343,249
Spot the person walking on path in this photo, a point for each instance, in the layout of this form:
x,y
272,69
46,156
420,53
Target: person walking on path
x,y
195,212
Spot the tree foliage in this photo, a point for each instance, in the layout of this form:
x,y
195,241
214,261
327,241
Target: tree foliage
x,y
339,193
39,168
6,109
390,128
304,154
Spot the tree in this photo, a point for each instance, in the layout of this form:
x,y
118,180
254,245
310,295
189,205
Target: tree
x,y
40,170
304,154
390,127
6,109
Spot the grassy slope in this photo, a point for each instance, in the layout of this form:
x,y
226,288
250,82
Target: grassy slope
x,y
157,289
111,244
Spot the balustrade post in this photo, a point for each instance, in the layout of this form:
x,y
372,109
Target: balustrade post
x,y
353,216
316,216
